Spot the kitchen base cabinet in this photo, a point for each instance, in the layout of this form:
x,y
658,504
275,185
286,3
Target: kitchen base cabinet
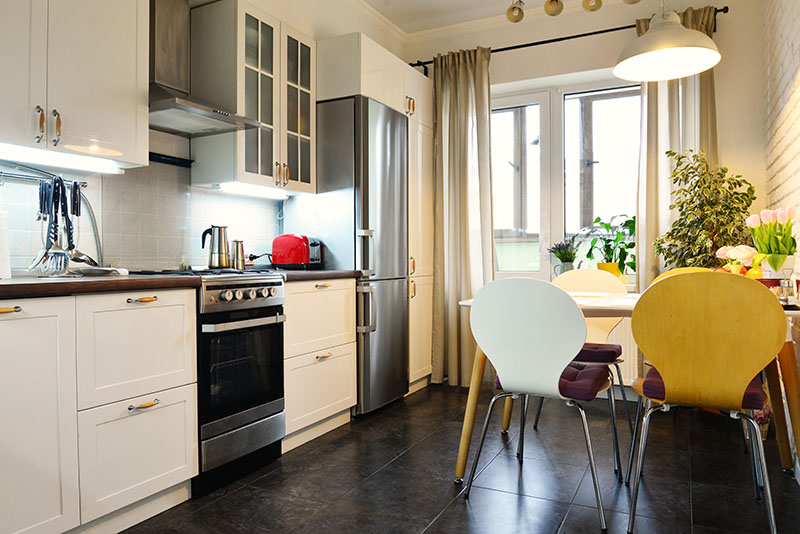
x,y
39,441
320,314
420,327
135,448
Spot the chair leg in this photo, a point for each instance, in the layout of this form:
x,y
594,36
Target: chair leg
x,y
759,450
483,438
507,409
648,406
639,404
614,437
757,479
538,413
590,452
624,398
523,414
640,463
745,442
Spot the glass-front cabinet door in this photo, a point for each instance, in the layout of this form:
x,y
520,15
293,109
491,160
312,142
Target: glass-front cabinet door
x,y
298,110
259,92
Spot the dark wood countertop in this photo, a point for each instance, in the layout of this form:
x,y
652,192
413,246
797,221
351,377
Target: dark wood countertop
x,y
15,288
302,276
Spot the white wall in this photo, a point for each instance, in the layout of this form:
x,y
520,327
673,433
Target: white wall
x,y
741,110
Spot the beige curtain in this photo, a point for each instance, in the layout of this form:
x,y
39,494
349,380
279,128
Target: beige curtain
x,y
676,115
463,248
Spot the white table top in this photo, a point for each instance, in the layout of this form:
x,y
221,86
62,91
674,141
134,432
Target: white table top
x,y
610,304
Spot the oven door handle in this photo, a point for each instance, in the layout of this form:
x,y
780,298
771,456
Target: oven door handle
x,y
239,325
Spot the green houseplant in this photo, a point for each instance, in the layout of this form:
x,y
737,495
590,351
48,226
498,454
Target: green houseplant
x,y
613,243
712,206
565,251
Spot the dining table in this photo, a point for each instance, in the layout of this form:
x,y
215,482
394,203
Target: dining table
x,y
782,370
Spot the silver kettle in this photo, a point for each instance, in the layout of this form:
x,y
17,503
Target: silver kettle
x,y
218,257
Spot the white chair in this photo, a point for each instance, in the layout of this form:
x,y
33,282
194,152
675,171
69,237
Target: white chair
x,y
531,330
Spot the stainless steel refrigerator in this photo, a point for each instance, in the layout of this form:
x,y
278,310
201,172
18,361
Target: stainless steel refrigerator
x,y
360,214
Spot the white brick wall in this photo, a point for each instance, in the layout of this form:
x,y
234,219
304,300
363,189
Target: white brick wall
x,y
782,73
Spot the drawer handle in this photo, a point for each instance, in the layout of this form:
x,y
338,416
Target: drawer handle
x,y
144,406
324,356
322,286
141,300
15,309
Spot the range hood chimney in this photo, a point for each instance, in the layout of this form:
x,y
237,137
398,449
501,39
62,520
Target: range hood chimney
x,y
172,109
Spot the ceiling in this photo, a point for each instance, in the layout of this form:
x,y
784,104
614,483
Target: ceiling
x,y
418,15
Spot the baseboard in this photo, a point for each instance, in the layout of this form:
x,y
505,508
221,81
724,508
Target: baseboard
x,y
295,439
417,385
137,512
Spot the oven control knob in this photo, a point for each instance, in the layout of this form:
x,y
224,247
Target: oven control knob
x,y
273,291
238,295
249,294
226,296
263,292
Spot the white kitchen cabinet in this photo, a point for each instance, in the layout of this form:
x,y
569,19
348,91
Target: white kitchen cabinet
x,y
133,343
318,385
419,96
420,327
132,449
420,199
80,71
246,61
39,443
319,314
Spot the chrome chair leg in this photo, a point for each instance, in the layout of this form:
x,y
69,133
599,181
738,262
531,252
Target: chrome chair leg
x,y
591,463
624,398
639,404
759,450
523,414
648,406
745,442
640,463
758,480
614,437
538,413
483,438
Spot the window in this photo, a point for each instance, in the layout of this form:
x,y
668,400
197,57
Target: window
x,y
595,133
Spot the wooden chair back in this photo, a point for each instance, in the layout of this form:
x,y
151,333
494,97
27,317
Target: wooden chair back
x,y
679,270
708,334
593,280
530,330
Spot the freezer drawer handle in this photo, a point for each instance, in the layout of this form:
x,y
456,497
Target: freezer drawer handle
x,y
239,325
366,329
370,235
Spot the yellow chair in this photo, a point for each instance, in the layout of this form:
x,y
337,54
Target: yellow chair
x,y
713,315
679,270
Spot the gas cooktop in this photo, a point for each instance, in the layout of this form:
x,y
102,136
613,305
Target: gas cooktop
x,y
207,272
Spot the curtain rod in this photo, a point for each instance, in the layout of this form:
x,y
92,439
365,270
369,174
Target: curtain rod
x,y
424,64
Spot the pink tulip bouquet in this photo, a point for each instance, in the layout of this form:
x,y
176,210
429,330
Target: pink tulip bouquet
x,y
772,234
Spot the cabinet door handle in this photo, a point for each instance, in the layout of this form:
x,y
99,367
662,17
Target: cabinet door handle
x,y
277,173
42,116
414,293
141,300
144,406
322,286
413,106
413,265
324,356
15,309
57,138
285,174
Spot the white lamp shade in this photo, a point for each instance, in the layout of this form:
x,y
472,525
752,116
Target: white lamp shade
x,y
667,51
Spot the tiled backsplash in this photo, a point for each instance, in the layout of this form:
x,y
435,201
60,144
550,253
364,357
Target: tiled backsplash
x,y
149,218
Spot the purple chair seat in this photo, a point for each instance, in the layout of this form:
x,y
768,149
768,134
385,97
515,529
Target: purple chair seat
x,y
582,382
653,388
599,353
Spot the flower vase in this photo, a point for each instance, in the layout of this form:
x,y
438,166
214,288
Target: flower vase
x,y
610,267
783,272
565,266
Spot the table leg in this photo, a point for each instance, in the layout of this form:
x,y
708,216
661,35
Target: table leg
x,y
791,385
509,406
781,430
478,367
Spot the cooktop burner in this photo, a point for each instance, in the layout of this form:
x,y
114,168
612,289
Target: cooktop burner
x,y
203,272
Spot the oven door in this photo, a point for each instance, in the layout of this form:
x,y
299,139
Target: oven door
x,y
240,368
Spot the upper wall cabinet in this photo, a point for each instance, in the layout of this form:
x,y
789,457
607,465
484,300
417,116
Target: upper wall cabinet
x,y
80,77
354,64
245,60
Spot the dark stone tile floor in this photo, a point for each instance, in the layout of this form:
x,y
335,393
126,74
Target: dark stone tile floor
x,y
392,472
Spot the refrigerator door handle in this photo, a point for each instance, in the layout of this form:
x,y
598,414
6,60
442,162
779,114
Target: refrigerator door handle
x,y
368,328
370,235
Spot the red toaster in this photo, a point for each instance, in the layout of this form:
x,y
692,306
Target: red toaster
x,y
293,251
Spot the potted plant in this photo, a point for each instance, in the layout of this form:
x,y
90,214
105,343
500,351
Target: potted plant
x,y
614,241
566,251
711,205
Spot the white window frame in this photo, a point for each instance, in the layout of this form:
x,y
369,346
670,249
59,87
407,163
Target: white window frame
x,y
551,100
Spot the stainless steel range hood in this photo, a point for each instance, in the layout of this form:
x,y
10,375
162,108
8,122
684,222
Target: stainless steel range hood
x,y
172,109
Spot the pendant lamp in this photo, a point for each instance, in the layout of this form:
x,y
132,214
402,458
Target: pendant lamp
x,y
667,51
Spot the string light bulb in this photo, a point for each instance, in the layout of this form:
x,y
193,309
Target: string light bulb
x,y
515,13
